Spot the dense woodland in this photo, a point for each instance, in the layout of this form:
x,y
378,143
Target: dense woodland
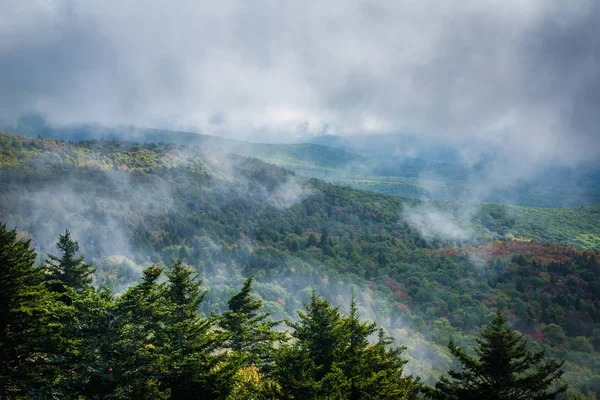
x,y
62,338
227,218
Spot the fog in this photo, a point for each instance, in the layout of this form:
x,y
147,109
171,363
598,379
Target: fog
x,y
513,83
519,76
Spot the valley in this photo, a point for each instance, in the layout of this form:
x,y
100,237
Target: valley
x,y
428,272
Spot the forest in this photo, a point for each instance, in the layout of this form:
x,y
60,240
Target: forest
x,y
62,338
136,209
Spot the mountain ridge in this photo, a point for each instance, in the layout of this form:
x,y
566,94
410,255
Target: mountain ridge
x,y
425,271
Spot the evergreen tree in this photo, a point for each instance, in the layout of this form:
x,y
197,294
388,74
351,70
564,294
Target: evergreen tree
x,y
23,302
90,333
68,270
385,379
324,236
250,333
196,367
358,342
503,370
321,332
375,371
142,339
331,358
306,368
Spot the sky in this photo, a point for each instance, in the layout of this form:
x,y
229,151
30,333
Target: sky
x,y
520,74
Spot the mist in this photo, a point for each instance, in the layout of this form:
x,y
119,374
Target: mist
x,y
504,89
519,76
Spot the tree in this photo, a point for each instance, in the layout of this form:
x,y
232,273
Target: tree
x,y
250,333
90,364
375,371
305,369
251,384
503,370
311,241
196,367
24,327
554,335
142,339
68,270
358,343
385,379
324,237
331,358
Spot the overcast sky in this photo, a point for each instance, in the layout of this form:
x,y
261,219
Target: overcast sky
x,y
523,73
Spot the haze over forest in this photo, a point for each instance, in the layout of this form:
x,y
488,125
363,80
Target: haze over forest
x,y
434,161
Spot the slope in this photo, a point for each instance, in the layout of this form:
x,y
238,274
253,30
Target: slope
x,y
229,216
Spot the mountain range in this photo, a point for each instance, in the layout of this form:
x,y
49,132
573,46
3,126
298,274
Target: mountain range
x,y
427,271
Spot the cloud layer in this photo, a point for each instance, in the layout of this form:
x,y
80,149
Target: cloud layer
x,y
522,75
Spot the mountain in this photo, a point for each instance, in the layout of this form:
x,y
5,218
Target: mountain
x,y
304,157
413,166
422,167
398,146
426,271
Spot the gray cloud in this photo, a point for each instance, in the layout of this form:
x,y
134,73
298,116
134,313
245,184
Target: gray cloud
x,y
518,75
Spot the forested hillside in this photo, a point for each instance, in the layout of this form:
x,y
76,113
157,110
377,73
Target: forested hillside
x,y
425,272
409,166
418,166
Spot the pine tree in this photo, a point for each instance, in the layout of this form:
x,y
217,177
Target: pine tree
x,y
196,368
331,358
250,333
68,270
358,342
321,331
375,371
24,329
90,336
141,311
384,367
503,370
306,368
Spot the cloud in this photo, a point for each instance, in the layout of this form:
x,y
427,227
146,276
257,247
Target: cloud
x,y
518,75
433,223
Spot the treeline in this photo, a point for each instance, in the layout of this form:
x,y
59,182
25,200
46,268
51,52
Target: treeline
x,y
62,338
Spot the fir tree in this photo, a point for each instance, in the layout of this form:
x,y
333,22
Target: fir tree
x,y
91,360
24,307
142,349
196,368
375,371
305,368
250,333
358,342
503,370
385,378
68,270
331,358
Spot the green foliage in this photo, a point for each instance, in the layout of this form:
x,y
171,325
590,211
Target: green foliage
x,y
250,331
503,370
330,358
195,366
143,342
230,217
68,271
23,300
151,342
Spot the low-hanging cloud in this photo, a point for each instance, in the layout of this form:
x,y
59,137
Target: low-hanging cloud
x,y
518,75
433,223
